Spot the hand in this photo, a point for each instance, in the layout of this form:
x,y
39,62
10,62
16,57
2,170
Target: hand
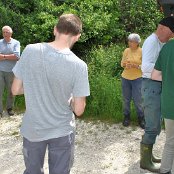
x,y
124,63
1,57
135,66
128,66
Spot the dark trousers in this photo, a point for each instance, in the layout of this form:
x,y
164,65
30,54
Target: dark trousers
x,y
131,89
6,80
60,155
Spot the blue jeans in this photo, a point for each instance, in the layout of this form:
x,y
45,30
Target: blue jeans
x,y
60,155
151,93
131,89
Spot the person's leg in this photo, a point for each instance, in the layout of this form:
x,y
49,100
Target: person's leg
x,y
151,93
61,154
168,152
34,153
137,98
127,96
10,99
2,83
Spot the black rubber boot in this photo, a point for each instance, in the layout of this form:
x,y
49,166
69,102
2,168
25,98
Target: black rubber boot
x,y
10,111
126,121
146,158
141,122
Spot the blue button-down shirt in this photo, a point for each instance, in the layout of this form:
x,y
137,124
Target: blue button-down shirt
x,y
12,47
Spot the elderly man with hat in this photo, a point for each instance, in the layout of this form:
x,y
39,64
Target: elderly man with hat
x,y
151,92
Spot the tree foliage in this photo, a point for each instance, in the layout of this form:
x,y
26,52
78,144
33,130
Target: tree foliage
x,y
105,24
104,21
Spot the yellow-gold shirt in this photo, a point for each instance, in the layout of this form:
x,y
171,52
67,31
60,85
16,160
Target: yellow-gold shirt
x,y
135,57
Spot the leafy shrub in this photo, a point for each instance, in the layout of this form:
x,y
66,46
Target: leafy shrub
x,y
105,60
103,21
104,71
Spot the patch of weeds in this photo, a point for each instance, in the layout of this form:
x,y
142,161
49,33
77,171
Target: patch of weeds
x,y
90,132
15,133
128,131
134,128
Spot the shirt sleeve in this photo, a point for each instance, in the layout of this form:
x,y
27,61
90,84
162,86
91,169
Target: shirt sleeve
x,y
124,57
16,50
18,69
148,55
81,84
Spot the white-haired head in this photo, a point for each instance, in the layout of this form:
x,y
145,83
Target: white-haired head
x,y
134,37
8,28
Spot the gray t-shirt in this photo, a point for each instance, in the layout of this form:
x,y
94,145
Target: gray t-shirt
x,y
49,78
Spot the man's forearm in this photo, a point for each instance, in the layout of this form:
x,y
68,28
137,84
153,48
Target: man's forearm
x,y
11,57
17,87
78,105
156,75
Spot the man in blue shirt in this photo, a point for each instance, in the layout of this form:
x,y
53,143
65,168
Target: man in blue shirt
x,y
9,54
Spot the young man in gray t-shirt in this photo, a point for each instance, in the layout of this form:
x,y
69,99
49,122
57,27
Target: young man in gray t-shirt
x,y
55,84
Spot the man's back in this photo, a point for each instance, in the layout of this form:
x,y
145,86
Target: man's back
x,y
50,77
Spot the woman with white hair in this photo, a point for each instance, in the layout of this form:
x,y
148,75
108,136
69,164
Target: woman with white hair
x,y
132,79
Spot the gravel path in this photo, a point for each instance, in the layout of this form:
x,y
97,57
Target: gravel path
x,y
100,148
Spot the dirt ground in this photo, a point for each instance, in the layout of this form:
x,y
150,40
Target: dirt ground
x,y
100,148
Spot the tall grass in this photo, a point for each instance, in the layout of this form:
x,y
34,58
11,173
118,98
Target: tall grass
x,y
19,102
105,101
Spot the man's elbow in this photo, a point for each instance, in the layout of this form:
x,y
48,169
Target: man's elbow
x,y
14,91
79,111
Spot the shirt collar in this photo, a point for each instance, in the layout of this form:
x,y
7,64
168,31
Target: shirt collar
x,y
7,42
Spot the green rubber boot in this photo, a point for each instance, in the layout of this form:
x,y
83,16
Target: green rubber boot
x,y
146,158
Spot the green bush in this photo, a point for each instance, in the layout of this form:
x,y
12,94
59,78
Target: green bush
x,y
104,21
104,76
105,60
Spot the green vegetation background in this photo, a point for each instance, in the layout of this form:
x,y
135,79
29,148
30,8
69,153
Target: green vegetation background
x,y
106,25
